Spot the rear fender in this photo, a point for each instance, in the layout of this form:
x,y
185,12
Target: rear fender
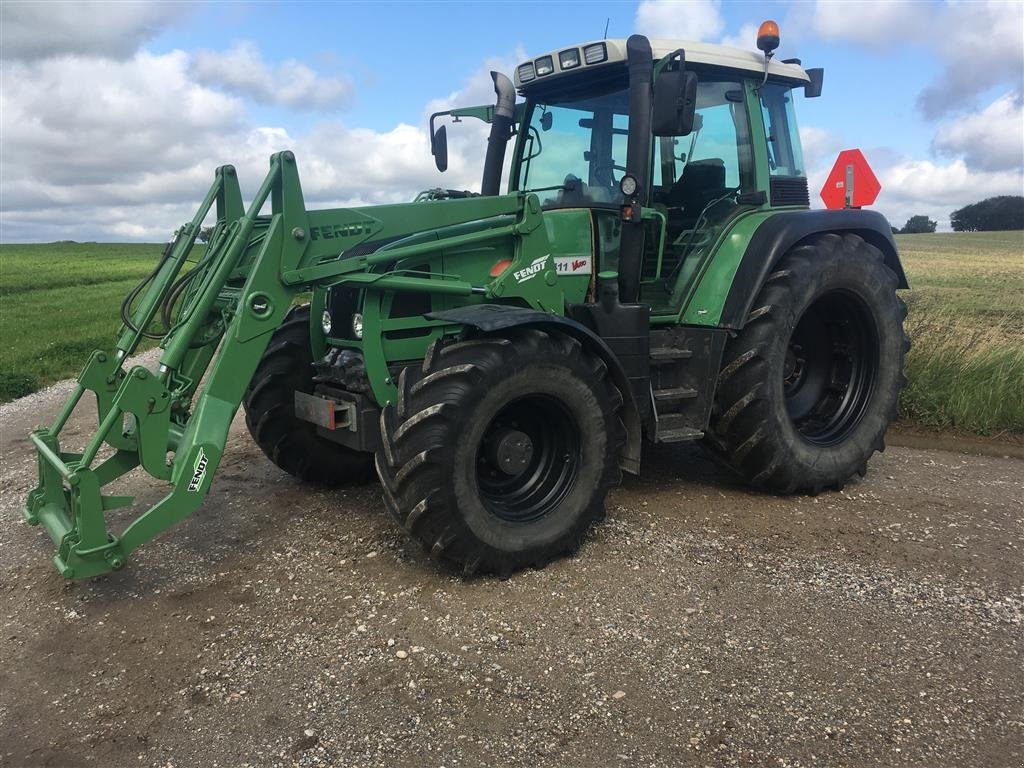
x,y
778,234
497,317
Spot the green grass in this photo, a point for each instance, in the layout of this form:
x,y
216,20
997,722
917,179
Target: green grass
x,y
966,322
60,301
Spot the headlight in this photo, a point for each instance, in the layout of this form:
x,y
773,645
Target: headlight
x,y
628,185
357,325
593,54
325,322
569,59
526,73
545,66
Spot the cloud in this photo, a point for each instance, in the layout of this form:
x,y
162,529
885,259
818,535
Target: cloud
x,y
979,43
698,20
879,24
242,70
98,149
38,30
991,140
921,186
746,38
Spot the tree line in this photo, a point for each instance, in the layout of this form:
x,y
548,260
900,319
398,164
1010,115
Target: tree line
x,y
992,214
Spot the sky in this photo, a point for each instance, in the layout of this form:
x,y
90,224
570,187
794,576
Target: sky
x,y
113,116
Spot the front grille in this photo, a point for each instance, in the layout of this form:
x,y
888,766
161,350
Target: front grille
x,y
789,190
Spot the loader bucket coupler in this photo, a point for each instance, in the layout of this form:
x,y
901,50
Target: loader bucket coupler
x,y
154,418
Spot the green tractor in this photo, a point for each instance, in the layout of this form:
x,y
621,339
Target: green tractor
x,y
653,273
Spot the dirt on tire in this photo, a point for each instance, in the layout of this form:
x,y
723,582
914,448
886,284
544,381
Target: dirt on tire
x,y
703,623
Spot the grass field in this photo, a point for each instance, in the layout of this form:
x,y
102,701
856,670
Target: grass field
x,y
60,301
966,321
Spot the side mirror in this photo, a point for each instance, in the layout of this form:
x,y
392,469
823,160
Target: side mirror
x,y
675,103
439,148
813,89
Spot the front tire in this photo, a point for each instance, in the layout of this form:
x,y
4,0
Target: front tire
x,y
810,385
290,442
500,449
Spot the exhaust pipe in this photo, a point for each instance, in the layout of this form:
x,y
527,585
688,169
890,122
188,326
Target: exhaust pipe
x,y
638,148
501,132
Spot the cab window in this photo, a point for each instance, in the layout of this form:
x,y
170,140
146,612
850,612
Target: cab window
x,y
785,157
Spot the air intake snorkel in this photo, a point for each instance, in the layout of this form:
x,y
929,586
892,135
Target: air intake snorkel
x,y
501,132
638,149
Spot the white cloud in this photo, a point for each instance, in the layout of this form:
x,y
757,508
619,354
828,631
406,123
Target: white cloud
x,y
37,30
107,150
746,38
697,20
990,140
921,186
243,71
879,23
979,43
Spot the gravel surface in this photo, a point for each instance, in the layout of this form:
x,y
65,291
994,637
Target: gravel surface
x,y
701,624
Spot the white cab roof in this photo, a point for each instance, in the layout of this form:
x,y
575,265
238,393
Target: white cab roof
x,y
696,53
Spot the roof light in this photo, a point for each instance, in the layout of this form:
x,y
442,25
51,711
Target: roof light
x,y
545,66
768,36
595,53
526,73
569,59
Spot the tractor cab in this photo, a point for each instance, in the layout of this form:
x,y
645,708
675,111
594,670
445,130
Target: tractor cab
x,y
739,152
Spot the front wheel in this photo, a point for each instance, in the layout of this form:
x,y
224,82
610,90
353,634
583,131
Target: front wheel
x,y
810,385
290,442
500,450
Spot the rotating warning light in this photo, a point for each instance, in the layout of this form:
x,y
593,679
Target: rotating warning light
x,y
768,36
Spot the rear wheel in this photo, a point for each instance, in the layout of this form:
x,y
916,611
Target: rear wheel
x,y
290,442
500,449
812,382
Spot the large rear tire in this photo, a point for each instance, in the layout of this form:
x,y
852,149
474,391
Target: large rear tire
x,y
810,385
500,450
290,442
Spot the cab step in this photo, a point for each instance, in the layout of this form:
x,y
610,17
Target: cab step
x,y
674,394
668,355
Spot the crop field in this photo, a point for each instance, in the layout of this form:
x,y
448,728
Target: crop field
x,y
966,323
60,301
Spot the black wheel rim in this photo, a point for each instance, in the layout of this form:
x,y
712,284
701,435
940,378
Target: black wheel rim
x,y
528,459
830,368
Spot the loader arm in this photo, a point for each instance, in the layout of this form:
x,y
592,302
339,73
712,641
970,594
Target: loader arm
x,y
173,421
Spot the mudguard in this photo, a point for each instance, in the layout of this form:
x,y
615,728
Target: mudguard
x,y
778,234
497,317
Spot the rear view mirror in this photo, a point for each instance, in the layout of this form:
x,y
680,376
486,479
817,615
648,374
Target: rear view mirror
x,y
813,89
675,102
439,148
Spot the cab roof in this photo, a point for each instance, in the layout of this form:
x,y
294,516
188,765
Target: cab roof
x,y
696,53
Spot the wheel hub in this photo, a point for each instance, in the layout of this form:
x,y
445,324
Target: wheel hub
x,y
512,451
830,368
528,458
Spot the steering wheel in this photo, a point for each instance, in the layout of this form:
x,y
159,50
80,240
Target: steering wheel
x,y
598,171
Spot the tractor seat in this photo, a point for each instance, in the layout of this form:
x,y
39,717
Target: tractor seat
x,y
700,182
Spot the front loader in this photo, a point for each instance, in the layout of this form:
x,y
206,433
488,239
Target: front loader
x,y
652,273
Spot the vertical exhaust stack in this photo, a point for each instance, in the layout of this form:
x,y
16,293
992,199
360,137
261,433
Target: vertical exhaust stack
x,y
501,132
638,154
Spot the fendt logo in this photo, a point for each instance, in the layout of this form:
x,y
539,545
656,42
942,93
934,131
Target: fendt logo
x,y
530,272
333,231
198,472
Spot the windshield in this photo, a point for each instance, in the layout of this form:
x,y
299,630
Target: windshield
x,y
577,146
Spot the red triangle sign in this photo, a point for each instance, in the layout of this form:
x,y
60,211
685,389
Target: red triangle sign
x,y
850,170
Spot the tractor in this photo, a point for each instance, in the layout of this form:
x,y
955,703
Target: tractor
x,y
652,273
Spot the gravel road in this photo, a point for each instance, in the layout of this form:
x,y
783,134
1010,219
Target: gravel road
x,y
701,624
